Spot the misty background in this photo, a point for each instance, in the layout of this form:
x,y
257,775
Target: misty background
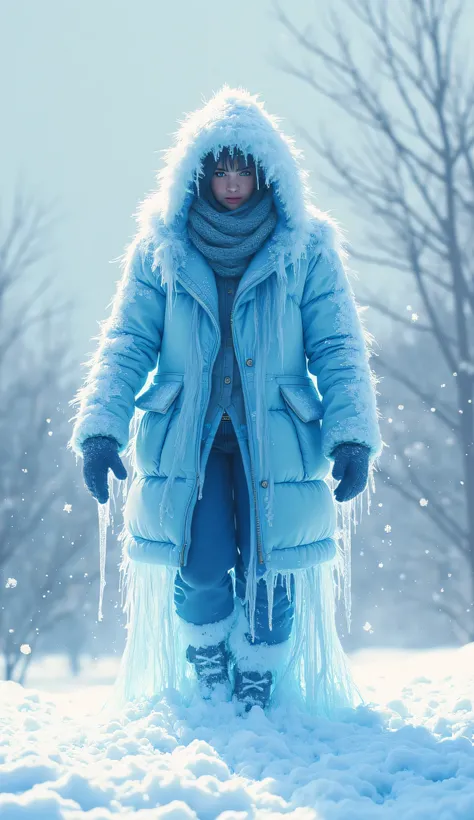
x,y
91,94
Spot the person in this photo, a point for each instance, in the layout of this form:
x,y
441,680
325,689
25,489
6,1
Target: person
x,y
235,294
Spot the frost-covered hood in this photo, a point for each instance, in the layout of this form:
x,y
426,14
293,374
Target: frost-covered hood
x,y
231,117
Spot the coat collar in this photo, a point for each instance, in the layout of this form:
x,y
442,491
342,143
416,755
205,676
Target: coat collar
x,y
198,278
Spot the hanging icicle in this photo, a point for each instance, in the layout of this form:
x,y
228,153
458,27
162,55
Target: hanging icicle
x,y
104,521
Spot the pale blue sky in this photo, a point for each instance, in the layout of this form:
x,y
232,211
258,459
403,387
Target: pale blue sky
x,y
91,93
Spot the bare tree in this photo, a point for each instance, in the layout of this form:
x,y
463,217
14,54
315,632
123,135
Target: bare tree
x,y
409,171
43,529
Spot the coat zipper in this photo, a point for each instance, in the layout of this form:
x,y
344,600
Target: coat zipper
x,y
257,519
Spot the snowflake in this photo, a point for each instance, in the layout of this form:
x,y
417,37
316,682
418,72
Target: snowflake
x,y
11,583
368,628
387,528
414,317
67,508
401,406
468,367
423,502
25,649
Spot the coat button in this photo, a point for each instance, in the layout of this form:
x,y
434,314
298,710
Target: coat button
x,y
264,483
249,362
227,379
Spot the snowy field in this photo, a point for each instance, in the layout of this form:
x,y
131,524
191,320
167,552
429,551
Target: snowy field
x,y
408,755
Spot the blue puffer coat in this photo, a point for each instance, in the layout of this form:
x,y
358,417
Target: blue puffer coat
x,y
152,328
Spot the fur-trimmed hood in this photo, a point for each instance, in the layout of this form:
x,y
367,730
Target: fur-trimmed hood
x,y
235,117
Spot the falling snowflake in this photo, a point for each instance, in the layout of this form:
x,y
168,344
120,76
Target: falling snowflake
x,y
368,627
11,583
414,317
387,528
423,502
67,508
401,406
25,649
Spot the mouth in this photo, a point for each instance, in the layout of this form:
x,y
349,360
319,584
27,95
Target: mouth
x,y
233,199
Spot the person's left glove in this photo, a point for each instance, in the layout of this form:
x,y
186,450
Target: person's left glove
x,y
351,469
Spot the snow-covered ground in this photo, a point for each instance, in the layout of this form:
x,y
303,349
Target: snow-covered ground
x,y
408,756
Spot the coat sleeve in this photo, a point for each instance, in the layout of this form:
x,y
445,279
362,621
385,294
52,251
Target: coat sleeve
x,y
338,353
128,347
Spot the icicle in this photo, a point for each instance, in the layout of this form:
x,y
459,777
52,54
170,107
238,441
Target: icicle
x,y
347,510
286,580
251,586
104,521
271,579
155,654
317,677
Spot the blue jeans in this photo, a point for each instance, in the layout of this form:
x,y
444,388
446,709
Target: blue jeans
x,y
220,541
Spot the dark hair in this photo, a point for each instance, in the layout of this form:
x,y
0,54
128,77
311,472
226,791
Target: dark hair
x,y
228,156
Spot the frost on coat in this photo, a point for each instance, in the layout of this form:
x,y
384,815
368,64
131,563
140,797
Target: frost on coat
x,y
294,311
338,349
128,346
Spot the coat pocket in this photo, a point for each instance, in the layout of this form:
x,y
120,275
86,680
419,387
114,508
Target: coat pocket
x,y
303,400
305,409
161,403
159,397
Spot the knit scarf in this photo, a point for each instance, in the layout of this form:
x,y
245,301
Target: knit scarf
x,y
229,239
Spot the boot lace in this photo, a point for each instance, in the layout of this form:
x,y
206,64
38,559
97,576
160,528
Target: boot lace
x,y
207,662
248,683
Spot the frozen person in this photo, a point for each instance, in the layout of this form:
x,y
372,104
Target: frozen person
x,y
234,293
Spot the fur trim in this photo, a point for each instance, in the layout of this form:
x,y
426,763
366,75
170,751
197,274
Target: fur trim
x,y
235,117
256,657
206,634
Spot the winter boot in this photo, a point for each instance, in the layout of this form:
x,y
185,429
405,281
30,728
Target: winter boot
x,y
212,668
253,688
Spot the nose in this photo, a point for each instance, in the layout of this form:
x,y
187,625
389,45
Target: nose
x,y
232,185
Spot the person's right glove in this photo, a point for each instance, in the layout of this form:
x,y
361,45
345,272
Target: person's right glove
x,y
351,469
101,453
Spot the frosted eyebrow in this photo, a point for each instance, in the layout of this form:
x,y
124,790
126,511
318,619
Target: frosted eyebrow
x,y
247,168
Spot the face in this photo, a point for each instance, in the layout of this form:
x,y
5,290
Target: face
x,y
231,186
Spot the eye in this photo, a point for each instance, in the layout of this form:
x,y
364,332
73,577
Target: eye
x,y
246,173
219,174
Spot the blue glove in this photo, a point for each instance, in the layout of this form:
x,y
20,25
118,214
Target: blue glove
x,y
100,453
351,469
